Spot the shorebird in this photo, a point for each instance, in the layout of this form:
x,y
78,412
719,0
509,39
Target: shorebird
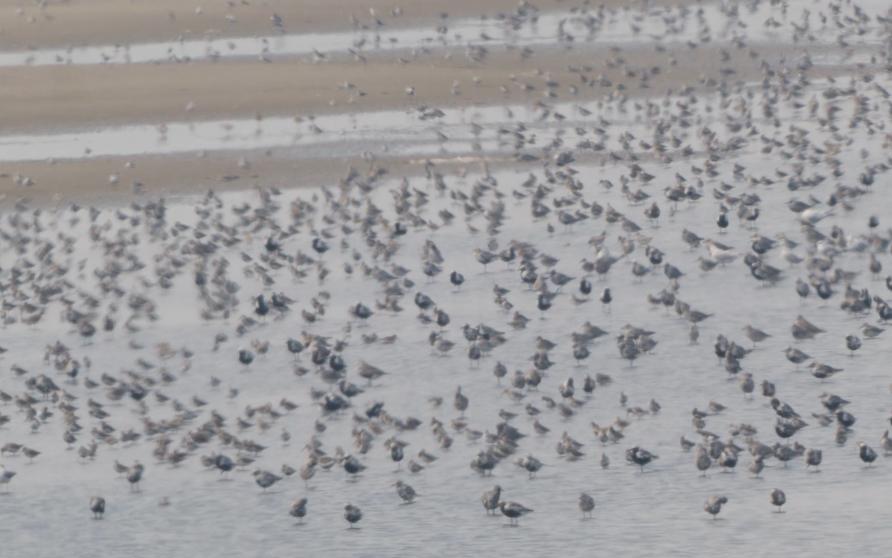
x,y
265,479
702,460
853,343
490,499
134,475
530,464
586,505
223,463
6,476
97,506
298,509
813,458
639,456
756,467
405,492
886,443
778,498
755,335
352,514
714,505
513,511
796,356
396,452
460,401
353,465
866,453
803,329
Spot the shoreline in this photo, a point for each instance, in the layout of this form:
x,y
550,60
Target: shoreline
x,y
78,98
77,23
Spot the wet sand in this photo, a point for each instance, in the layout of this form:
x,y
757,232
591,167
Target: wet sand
x,y
87,180
78,97
65,98
50,98
63,23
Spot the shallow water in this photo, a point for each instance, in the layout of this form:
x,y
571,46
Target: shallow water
x,y
656,512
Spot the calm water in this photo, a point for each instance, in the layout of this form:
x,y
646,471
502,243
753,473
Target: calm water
x,y
663,505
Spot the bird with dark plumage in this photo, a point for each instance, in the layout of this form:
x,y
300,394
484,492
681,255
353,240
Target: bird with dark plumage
x,y
714,505
778,498
586,505
134,475
530,464
265,479
405,492
756,467
853,343
223,463
490,499
245,356
298,509
640,456
97,506
352,514
513,511
867,454
460,401
5,476
396,454
702,460
353,465
606,298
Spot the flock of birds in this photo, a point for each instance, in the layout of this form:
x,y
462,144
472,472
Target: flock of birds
x,y
250,270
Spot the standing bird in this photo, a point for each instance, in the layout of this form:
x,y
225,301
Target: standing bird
x,y
299,509
853,343
702,460
755,335
866,453
640,457
606,298
714,505
352,514
265,479
245,356
405,492
513,511
586,505
460,401
6,476
756,467
97,506
134,475
778,498
530,464
490,499
224,463
813,458
396,453
886,443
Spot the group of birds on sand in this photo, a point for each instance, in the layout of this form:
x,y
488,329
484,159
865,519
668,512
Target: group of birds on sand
x,y
247,266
